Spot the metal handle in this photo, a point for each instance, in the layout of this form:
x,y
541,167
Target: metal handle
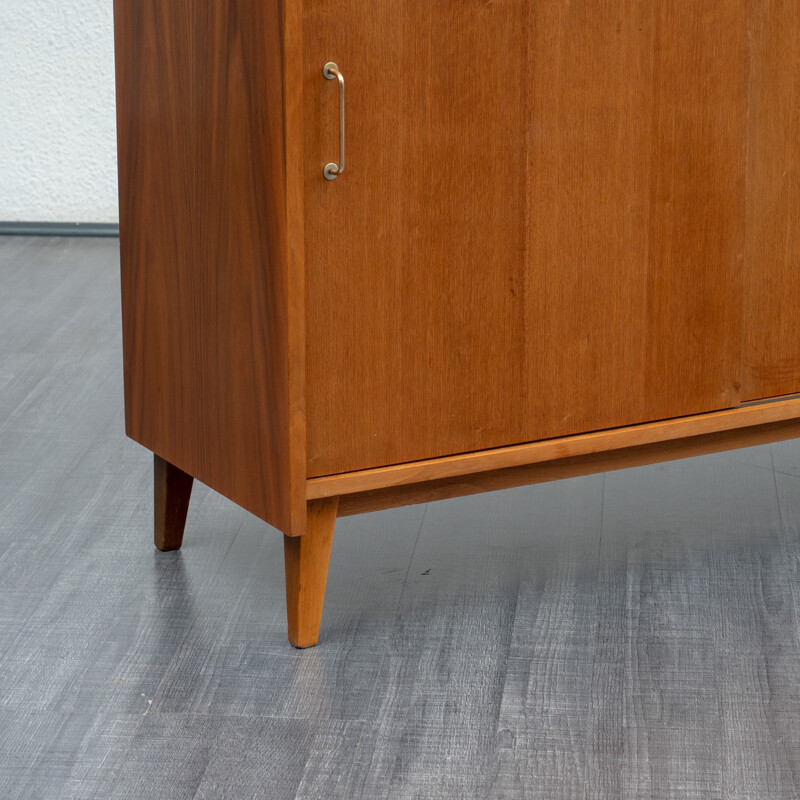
x,y
333,171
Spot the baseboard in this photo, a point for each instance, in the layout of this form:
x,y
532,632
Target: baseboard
x,y
59,229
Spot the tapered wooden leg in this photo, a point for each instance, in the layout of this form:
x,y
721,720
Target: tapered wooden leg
x,y
173,487
306,559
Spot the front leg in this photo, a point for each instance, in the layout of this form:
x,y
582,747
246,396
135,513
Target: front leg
x,y
173,488
306,560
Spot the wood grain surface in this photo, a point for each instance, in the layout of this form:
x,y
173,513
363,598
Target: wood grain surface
x,y
207,302
630,636
732,426
524,246
555,247
560,469
771,344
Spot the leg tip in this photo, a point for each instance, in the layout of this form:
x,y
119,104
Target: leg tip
x,y
303,643
166,548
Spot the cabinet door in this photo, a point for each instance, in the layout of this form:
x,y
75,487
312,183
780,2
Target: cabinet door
x,y
540,227
772,263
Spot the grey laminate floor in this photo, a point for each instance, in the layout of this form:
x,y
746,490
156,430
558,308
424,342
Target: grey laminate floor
x,y
633,635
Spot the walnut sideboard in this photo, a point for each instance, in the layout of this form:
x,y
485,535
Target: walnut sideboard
x,y
382,252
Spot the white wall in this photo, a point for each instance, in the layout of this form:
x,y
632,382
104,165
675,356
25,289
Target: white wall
x,y
57,127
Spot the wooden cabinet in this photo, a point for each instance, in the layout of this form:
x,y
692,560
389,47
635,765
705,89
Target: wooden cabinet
x,y
566,239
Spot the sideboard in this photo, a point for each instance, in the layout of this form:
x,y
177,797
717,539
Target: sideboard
x,y
379,253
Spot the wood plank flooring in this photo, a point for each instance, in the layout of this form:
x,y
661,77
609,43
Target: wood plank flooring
x,y
633,635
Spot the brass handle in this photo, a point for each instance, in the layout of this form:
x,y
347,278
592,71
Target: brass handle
x,y
333,171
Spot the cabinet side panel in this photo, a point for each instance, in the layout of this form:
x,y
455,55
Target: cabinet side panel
x,y
204,240
772,259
